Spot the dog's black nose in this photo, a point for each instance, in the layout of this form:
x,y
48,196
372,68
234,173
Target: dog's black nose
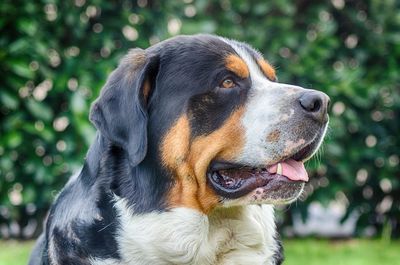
x,y
315,104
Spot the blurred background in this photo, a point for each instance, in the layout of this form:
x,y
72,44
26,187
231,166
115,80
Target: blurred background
x,y
56,55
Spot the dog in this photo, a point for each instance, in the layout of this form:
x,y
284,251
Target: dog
x,y
196,142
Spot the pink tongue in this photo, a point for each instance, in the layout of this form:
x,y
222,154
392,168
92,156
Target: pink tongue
x,y
291,169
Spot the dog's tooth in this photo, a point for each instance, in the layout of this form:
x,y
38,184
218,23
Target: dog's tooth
x,y
279,169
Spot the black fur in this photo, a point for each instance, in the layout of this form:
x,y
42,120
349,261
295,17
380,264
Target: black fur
x,y
119,113
279,256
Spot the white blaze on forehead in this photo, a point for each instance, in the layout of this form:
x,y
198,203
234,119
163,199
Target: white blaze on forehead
x,y
261,111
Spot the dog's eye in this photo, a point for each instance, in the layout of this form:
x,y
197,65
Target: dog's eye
x,y
228,83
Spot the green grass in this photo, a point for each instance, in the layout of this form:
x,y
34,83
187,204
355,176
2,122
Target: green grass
x,y
298,252
15,253
350,252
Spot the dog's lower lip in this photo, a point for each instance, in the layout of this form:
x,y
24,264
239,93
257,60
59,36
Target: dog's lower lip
x,y
239,181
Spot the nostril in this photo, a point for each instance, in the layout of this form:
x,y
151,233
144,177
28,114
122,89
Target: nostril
x,y
311,103
316,106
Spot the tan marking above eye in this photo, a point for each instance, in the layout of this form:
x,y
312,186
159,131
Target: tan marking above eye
x,y
236,65
267,69
228,83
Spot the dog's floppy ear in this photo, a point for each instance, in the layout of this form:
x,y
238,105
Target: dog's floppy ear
x,y
120,111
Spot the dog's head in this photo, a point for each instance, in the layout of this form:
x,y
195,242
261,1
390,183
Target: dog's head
x,y
209,115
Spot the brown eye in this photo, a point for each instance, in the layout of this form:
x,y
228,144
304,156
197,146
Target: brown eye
x,y
228,83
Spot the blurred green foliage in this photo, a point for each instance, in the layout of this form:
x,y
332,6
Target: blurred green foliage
x,y
55,56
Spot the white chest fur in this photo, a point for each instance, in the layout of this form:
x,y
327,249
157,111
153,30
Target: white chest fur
x,y
238,235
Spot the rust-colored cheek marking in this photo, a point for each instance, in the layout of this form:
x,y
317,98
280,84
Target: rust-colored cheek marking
x,y
267,69
273,136
189,161
236,64
175,145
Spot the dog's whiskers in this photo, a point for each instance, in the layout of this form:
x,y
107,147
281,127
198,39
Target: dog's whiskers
x,y
105,227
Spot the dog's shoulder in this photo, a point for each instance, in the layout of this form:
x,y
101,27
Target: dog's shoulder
x,y
80,225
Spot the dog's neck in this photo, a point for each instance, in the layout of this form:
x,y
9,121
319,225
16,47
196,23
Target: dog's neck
x,y
144,185
94,154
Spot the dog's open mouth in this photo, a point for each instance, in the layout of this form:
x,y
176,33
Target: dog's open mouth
x,y
234,180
